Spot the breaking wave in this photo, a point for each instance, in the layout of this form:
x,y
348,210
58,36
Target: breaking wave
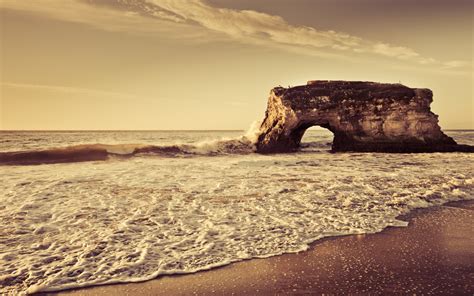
x,y
244,144
97,152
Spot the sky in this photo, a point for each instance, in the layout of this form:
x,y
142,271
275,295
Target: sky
x,y
210,64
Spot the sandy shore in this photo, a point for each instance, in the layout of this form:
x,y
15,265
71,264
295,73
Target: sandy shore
x,y
434,255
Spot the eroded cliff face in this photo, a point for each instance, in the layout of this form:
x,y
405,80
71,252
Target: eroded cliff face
x,y
364,116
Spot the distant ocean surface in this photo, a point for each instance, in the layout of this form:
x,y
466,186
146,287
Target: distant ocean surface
x,y
207,202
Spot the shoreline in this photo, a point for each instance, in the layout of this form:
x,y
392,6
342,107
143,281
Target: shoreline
x,y
434,254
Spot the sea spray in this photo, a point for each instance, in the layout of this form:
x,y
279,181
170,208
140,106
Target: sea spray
x,y
241,144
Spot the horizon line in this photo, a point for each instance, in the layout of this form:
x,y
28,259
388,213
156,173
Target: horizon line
x,y
162,130
118,130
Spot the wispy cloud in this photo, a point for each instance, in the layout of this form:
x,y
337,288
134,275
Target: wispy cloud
x,y
248,25
107,17
68,90
187,17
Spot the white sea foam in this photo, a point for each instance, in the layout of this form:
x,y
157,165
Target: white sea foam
x,y
227,145
81,224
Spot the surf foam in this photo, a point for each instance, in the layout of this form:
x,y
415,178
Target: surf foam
x,y
81,224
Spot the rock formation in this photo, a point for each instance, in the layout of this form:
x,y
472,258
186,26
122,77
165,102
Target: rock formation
x,y
363,116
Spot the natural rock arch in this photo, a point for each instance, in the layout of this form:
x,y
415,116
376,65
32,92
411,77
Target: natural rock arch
x,y
363,116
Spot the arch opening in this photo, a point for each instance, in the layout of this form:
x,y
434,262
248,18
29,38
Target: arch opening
x,y
317,137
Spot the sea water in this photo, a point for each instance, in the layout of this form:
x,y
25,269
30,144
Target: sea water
x,y
130,219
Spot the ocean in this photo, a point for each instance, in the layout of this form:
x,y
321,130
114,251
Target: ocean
x,y
198,200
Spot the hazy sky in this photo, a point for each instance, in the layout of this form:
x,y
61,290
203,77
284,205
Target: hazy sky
x,y
196,64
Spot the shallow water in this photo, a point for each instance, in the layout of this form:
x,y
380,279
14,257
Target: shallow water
x,y
121,220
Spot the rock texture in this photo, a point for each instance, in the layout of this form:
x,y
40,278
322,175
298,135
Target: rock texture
x,y
364,116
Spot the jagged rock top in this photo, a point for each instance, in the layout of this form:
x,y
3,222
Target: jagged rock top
x,y
316,93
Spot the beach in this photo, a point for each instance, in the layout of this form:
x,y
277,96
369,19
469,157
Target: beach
x,y
434,255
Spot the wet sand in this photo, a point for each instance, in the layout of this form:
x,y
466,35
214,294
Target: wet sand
x,y
434,255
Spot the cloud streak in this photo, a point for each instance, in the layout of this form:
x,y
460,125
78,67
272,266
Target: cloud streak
x,y
248,25
193,18
68,90
105,17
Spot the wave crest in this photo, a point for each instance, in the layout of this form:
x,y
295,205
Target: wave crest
x,y
94,152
